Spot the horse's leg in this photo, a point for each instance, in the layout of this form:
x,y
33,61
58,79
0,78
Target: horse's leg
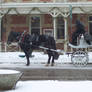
x,y
28,61
52,64
48,60
30,53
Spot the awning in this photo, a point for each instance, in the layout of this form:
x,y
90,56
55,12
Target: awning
x,y
42,8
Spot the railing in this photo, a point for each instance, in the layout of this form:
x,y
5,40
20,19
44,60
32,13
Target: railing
x,y
4,47
42,1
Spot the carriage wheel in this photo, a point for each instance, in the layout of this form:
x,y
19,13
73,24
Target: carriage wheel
x,y
80,58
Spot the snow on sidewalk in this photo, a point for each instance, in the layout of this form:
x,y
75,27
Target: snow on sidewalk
x,y
53,86
12,58
39,57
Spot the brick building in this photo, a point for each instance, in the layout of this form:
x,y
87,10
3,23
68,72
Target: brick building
x,y
51,17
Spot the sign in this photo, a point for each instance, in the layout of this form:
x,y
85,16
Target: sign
x,y
48,32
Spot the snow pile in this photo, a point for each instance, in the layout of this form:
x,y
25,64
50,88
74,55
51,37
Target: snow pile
x,y
4,71
53,86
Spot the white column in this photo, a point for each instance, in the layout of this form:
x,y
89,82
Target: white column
x,y
55,29
54,13
66,35
0,31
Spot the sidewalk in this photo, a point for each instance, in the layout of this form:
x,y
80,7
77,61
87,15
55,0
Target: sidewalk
x,y
63,69
57,72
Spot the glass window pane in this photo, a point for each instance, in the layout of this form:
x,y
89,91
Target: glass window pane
x,y
60,28
90,18
90,27
35,25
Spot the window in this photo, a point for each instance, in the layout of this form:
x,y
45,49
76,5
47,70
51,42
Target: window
x,y
60,27
35,24
90,25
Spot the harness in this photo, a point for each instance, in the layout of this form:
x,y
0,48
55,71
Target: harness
x,y
22,37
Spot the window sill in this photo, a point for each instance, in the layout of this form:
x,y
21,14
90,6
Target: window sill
x,y
60,41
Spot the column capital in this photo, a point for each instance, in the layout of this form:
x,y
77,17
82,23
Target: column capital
x,y
65,15
54,12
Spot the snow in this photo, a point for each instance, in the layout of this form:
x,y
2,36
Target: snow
x,y
12,59
39,58
2,71
53,86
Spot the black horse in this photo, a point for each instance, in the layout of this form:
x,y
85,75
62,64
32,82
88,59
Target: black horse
x,y
30,42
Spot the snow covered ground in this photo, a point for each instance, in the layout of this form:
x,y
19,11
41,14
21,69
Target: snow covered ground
x,y
53,86
12,58
39,57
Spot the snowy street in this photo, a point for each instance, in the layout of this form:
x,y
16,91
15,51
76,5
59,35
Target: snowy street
x,y
11,60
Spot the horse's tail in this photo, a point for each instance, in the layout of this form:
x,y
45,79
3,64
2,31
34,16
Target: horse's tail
x,y
52,45
56,55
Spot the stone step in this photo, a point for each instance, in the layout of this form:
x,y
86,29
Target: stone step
x,y
63,72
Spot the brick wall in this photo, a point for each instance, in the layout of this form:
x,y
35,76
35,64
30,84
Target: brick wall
x,y
17,23
18,19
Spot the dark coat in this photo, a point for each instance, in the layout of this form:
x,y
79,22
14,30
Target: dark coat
x,y
80,29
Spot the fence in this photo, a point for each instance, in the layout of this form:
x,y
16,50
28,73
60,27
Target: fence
x,y
4,47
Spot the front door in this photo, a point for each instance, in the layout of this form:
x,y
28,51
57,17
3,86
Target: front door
x,y
35,24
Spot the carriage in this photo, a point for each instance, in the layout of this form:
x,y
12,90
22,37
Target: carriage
x,y
29,42
80,54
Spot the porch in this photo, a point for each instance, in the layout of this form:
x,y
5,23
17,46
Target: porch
x,y
53,9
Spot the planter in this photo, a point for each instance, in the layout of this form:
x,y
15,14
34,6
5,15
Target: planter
x,y
9,78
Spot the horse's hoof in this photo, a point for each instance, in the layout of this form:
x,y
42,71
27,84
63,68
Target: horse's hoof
x,y
52,64
27,64
47,65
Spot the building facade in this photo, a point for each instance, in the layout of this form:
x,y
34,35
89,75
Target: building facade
x,y
52,17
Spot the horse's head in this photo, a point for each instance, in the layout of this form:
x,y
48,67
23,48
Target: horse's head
x,y
13,37
34,39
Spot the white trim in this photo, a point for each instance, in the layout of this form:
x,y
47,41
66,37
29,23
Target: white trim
x,y
44,8
21,5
